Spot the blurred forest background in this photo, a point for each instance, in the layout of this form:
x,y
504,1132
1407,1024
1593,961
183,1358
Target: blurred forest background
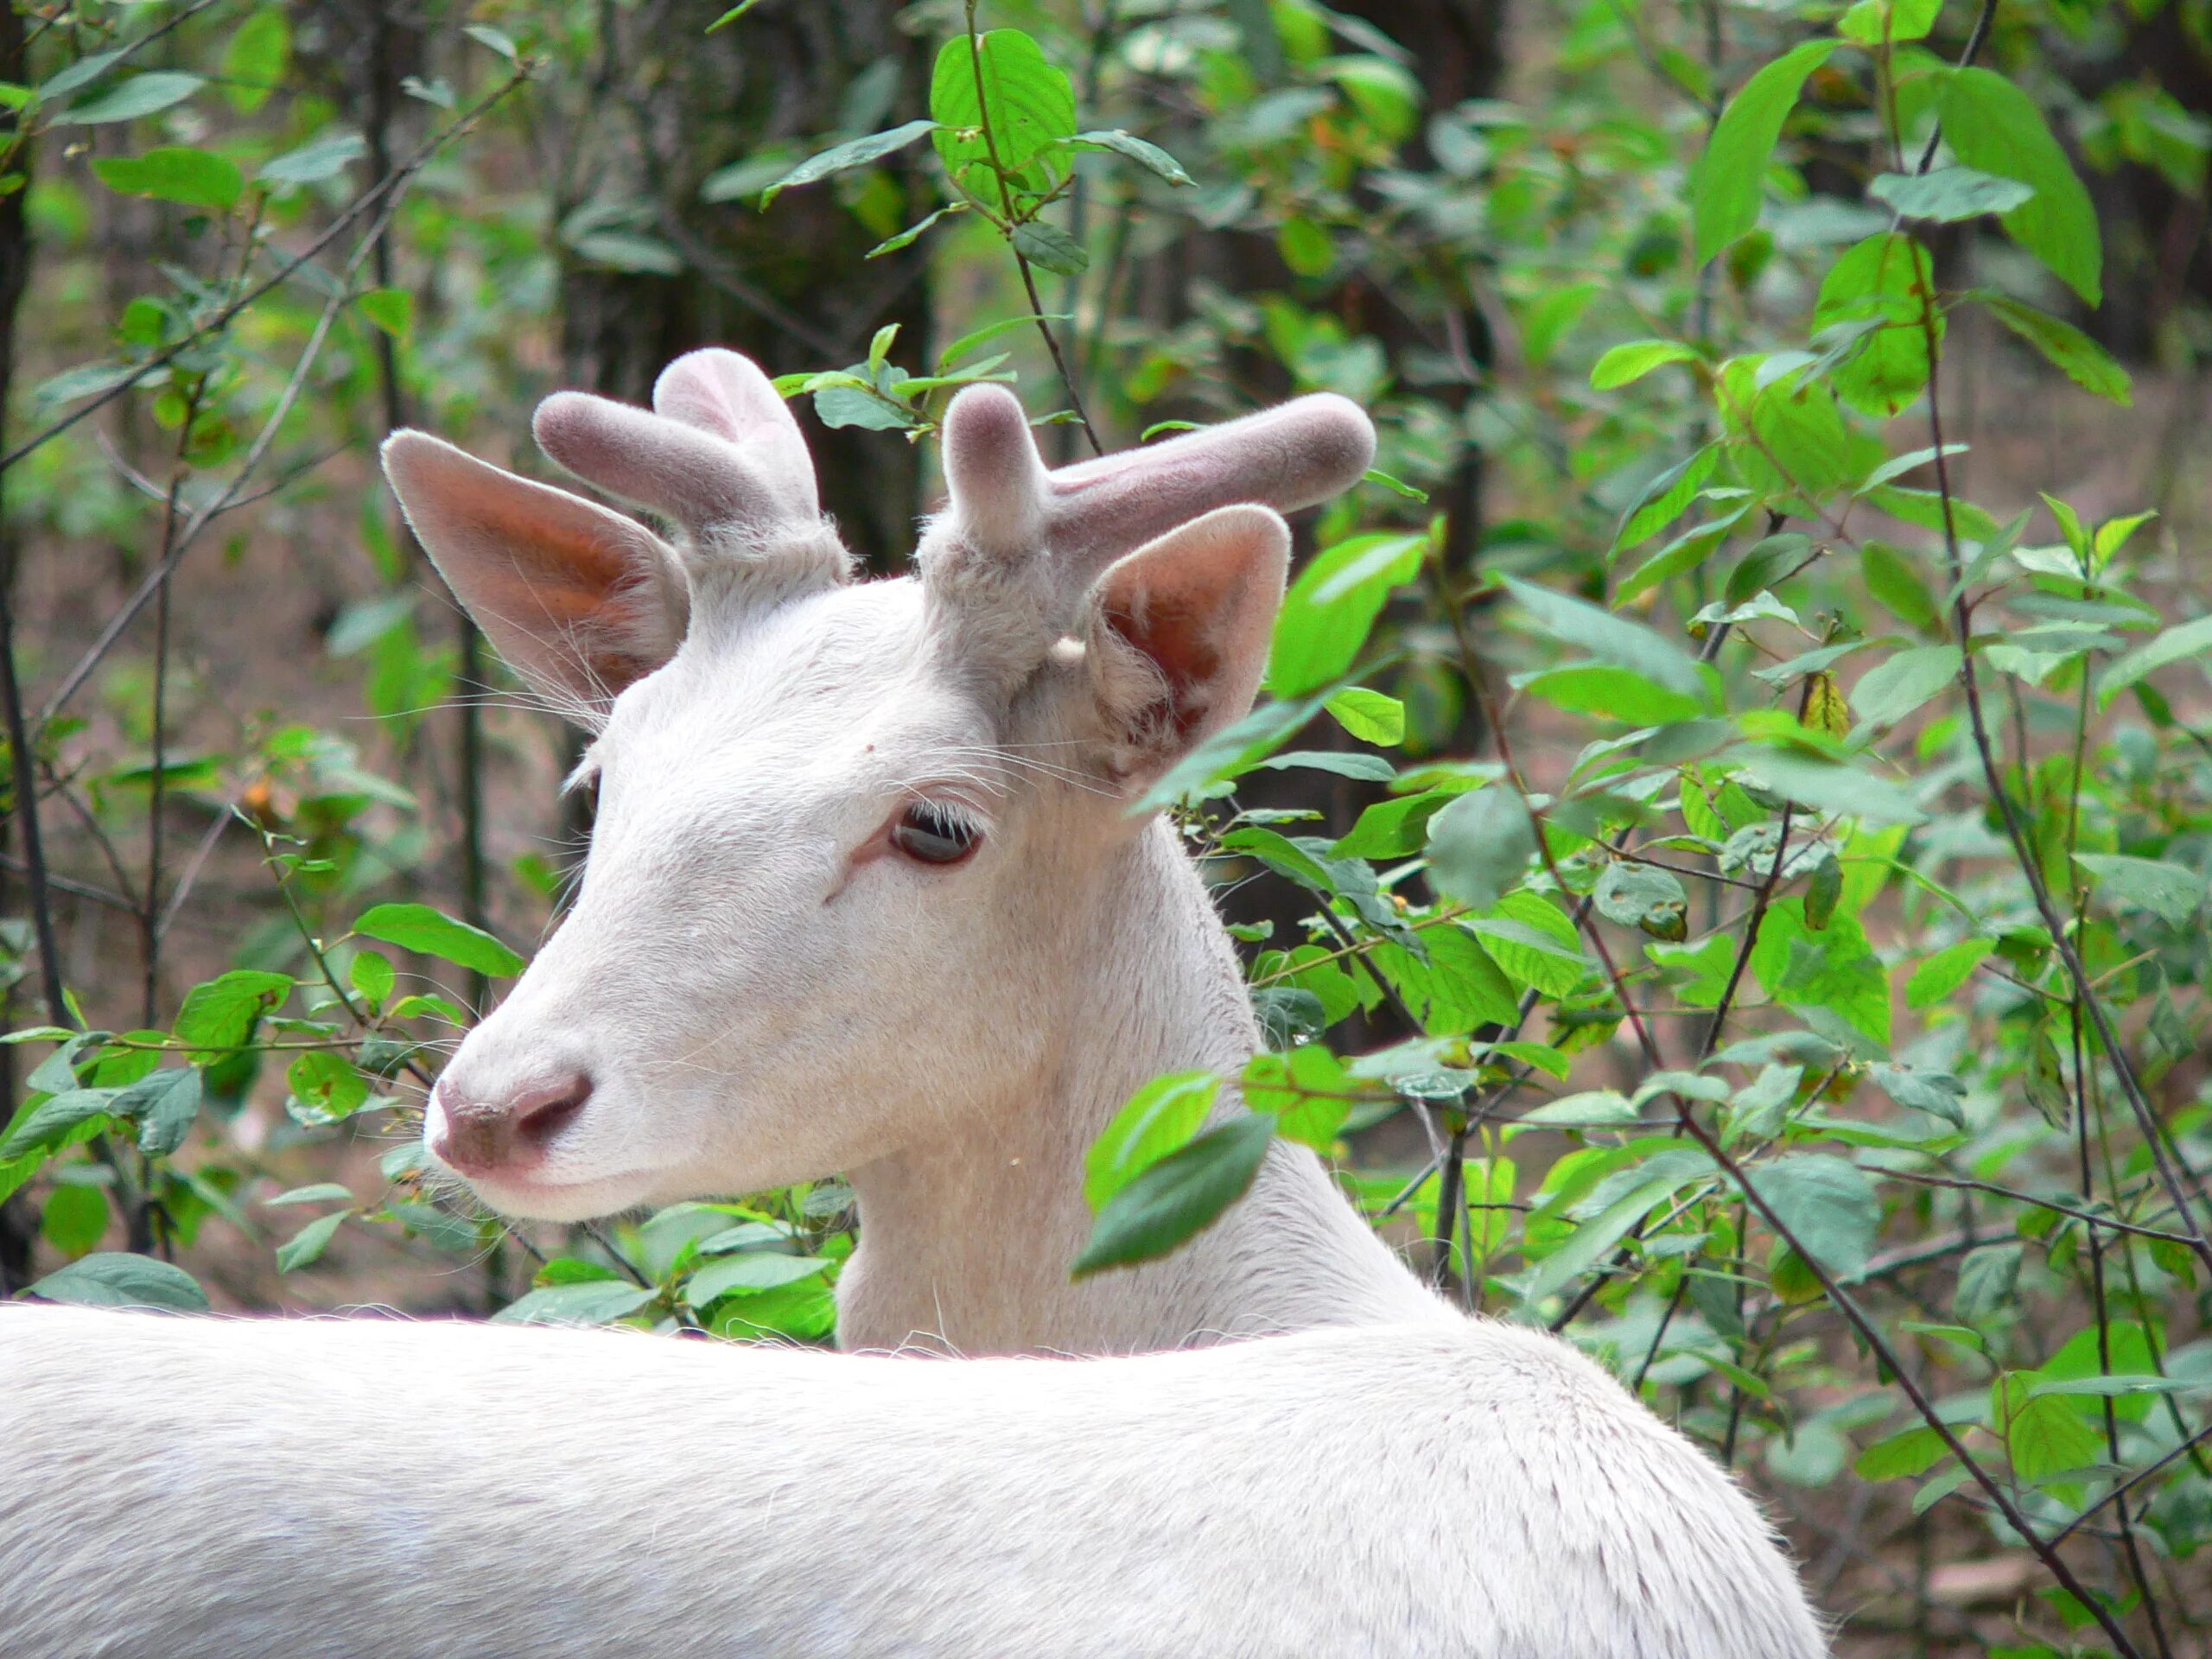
x,y
1738,893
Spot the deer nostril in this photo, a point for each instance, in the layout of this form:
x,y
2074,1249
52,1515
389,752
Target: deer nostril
x,y
541,1116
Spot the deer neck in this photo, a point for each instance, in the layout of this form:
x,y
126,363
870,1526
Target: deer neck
x,y
966,1237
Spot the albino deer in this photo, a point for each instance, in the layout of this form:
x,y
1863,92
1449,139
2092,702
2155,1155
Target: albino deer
x,y
864,895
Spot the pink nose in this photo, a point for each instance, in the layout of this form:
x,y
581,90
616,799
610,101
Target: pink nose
x,y
479,1136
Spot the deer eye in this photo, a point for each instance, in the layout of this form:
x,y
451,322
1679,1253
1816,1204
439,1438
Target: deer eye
x,y
930,834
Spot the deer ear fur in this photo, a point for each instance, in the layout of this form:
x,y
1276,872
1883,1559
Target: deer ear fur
x,y
1176,634
578,599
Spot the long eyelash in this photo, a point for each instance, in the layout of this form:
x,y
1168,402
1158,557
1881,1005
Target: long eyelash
x,y
951,815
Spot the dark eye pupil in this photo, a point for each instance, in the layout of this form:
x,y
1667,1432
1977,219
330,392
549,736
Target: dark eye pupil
x,y
929,833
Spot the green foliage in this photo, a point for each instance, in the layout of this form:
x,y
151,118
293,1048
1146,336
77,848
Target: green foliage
x,y
1746,906
419,927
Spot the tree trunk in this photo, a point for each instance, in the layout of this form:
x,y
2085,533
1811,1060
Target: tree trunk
x,y
792,287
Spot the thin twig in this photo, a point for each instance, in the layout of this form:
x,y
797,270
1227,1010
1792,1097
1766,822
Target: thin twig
x,y
223,317
1028,277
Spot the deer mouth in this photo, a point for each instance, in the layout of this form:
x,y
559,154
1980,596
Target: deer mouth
x,y
528,1196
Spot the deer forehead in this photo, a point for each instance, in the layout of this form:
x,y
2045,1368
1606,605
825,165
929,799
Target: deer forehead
x,y
842,695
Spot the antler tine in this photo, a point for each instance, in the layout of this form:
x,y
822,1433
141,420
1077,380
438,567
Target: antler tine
x,y
1008,509
722,457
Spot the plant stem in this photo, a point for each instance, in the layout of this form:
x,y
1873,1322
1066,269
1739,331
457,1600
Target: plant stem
x,y
1005,205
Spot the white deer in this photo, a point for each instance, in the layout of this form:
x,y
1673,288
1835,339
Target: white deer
x,y
865,894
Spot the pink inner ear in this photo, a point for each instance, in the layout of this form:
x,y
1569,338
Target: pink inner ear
x,y
572,594
1177,632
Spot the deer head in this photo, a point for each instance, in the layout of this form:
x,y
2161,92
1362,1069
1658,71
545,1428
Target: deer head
x,y
846,830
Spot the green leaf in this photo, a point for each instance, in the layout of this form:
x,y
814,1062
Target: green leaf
x,y
1948,195
1833,968
1896,585
1708,962
372,974
1594,1240
1936,1093
83,72
595,1302
220,1014
1827,787
1991,125
1026,101
305,1247
989,331
1366,768
391,310
1611,693
141,95
1897,685
1307,1091
1872,21
174,172
1942,974
2065,347
1639,896
2170,892
1160,1118
2082,1360
1050,248
1394,829
2045,1436
854,152
1823,888
1988,1279
311,164
1332,607
57,1073
1881,286
912,233
1902,1457
494,40
254,61
627,250
1177,1198
732,15
42,1127
1726,184
1370,716
1479,846
165,1104
2175,645
1613,640
1786,432
1458,989
1551,315
2116,1387
1590,1107
325,1087
1827,1204
418,927
1142,152
114,1279
1624,364
1533,940
1665,498
750,1273
315,1192
74,1218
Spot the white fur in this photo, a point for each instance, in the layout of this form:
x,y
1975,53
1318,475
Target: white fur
x,y
329,1490
761,992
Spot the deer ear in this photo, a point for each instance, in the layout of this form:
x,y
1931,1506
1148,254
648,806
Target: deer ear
x,y
1175,636
580,600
